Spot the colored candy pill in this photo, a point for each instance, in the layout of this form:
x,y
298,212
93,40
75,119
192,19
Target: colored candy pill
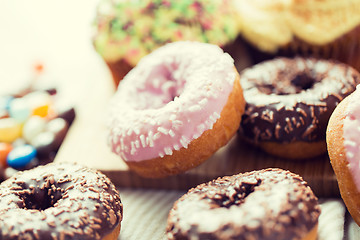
x,y
5,149
21,156
33,127
39,102
19,109
10,130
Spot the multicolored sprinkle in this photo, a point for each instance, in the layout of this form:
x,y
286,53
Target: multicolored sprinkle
x,y
133,29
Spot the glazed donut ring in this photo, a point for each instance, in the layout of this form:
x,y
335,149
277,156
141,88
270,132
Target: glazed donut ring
x,y
267,204
344,150
59,201
289,103
177,107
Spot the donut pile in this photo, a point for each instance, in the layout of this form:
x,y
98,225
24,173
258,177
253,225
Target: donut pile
x,y
178,106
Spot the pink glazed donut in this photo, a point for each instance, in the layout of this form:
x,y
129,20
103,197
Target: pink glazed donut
x,y
343,144
178,106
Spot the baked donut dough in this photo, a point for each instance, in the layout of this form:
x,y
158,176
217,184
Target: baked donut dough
x,y
177,107
267,204
59,201
289,102
343,144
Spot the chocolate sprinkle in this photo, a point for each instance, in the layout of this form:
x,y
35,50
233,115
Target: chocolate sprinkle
x,y
292,99
64,201
267,204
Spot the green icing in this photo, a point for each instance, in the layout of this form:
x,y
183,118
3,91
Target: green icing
x,y
131,29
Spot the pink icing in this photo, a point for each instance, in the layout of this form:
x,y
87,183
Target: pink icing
x,y
351,135
169,99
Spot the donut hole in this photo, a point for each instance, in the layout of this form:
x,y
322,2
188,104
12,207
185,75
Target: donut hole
x,y
236,195
290,83
42,199
165,84
302,82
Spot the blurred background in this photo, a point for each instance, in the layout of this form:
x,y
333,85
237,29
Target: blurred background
x,y
56,34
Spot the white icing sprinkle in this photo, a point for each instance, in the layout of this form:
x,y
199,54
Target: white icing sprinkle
x,y
163,130
156,136
171,133
137,144
143,141
129,131
168,151
195,108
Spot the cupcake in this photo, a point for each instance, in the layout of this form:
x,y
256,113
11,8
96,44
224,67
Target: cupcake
x,y
323,29
128,30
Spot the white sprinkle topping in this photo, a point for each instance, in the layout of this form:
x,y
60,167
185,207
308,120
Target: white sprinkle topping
x,y
201,128
156,136
184,141
118,149
176,147
216,115
137,131
349,154
168,151
203,102
133,149
171,133
129,132
163,130
142,139
195,108
176,124
149,139
137,144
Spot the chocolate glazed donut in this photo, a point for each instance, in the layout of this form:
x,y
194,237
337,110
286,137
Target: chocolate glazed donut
x,y
267,204
59,201
289,103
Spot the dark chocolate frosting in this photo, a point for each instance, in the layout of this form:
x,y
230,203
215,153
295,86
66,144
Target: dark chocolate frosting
x,y
58,201
292,99
267,204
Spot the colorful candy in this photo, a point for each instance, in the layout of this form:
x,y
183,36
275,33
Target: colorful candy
x,y
10,130
5,149
32,128
21,156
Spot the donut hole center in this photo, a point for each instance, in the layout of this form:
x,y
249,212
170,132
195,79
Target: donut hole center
x,y
302,82
289,83
42,199
164,84
236,195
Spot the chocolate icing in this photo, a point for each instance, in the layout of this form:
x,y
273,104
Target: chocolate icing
x,y
292,99
58,201
267,204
